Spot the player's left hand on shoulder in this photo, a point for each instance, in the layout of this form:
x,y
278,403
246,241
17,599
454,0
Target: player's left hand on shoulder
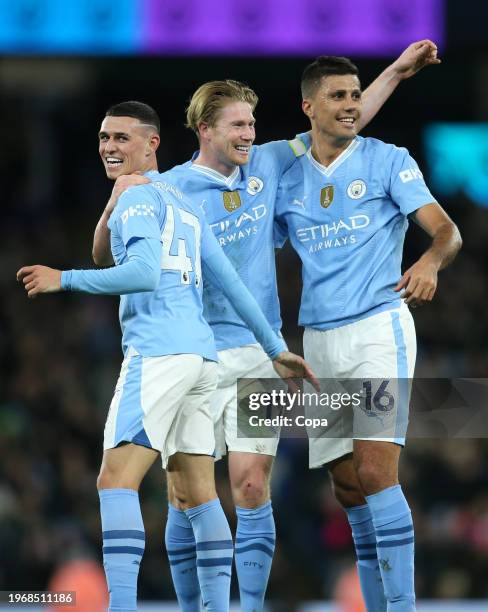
x,y
290,366
39,279
125,181
415,57
419,283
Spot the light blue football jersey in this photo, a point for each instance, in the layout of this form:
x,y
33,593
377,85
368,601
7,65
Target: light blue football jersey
x,y
240,210
170,319
347,223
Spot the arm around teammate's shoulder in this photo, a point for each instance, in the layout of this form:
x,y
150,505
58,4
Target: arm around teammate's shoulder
x,y
419,282
101,253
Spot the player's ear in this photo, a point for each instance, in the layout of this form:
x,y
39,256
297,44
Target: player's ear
x,y
307,108
203,130
154,142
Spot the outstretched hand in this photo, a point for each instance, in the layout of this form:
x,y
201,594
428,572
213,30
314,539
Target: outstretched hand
x,y
290,366
415,57
39,279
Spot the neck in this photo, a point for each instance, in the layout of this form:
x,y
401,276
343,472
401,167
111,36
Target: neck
x,y
207,159
326,149
151,165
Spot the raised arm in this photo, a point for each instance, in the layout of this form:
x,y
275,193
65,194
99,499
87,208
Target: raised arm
x,y
415,57
101,253
419,282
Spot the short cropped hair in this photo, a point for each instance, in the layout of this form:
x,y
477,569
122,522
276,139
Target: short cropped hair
x,y
211,97
138,110
324,66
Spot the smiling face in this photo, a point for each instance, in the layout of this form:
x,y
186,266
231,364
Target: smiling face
x,y
334,108
127,146
227,142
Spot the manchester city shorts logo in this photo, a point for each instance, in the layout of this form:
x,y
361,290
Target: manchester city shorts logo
x,y
326,196
254,185
232,200
356,189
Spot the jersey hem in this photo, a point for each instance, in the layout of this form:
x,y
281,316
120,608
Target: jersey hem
x,y
349,321
247,340
202,354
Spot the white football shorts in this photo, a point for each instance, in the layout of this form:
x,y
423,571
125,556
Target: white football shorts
x,y
248,361
382,346
163,403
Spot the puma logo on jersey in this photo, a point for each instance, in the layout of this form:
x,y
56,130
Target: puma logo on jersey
x,y
300,203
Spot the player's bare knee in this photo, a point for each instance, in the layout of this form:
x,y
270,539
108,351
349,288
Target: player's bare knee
x,y
106,478
109,478
252,490
185,496
349,499
348,494
172,499
178,495
375,478
194,500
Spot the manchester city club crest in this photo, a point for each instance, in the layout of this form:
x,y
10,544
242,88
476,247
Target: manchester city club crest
x,y
326,196
356,189
232,200
254,185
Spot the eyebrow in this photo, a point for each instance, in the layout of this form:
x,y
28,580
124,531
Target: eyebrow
x,y
104,133
342,91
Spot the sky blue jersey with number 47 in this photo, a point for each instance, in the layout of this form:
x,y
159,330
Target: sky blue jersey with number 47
x,y
161,245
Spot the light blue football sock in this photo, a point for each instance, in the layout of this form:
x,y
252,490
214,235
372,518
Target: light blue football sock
x,y
182,555
123,545
214,554
255,544
368,568
393,525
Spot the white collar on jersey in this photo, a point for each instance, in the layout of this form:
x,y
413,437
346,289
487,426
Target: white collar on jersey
x,y
328,170
227,180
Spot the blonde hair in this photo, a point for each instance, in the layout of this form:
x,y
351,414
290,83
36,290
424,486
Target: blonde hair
x,y
211,97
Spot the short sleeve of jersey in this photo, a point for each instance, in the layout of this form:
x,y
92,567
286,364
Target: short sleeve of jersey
x,y
136,215
301,143
285,152
405,182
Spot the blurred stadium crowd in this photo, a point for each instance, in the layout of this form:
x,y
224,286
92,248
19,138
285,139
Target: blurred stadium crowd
x,y
60,357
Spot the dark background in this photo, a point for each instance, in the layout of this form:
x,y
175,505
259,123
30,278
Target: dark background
x,y
60,355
